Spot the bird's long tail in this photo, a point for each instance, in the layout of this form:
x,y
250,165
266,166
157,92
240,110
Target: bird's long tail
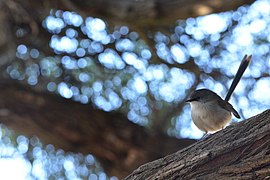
x,y
243,66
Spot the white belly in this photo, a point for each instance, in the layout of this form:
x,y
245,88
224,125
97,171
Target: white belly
x,y
209,116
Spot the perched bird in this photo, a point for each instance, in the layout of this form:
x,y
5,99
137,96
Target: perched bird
x,y
209,111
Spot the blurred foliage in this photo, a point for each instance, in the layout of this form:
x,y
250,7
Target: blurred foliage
x,y
31,160
115,69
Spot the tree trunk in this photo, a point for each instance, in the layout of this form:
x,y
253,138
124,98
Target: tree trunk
x,y
118,144
240,151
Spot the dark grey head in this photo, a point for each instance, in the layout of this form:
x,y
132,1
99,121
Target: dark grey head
x,y
203,95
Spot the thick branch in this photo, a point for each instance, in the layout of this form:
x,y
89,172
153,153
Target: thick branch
x,y
120,145
137,14
241,151
151,13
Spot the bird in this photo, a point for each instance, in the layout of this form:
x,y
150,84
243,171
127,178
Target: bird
x,y
209,112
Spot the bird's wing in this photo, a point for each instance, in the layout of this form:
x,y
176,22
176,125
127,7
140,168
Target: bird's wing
x,y
226,105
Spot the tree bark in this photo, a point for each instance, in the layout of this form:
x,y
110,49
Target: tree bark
x,y
240,151
118,144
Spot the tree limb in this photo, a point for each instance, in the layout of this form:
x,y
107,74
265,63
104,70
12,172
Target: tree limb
x,y
240,151
118,144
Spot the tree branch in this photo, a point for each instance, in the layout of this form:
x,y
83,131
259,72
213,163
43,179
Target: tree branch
x,y
119,145
240,151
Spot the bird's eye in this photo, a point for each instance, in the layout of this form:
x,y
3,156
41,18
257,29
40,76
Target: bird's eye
x,y
195,98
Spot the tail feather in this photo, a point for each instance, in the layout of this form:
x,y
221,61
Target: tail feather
x,y
243,66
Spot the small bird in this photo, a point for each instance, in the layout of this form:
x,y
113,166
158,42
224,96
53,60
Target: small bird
x,y
209,111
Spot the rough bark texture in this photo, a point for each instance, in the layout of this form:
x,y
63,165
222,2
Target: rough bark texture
x,y
240,151
119,145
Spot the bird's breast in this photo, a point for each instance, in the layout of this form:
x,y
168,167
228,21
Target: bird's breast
x,y
209,116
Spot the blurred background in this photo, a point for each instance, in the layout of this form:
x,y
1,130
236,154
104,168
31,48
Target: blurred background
x,y
92,90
